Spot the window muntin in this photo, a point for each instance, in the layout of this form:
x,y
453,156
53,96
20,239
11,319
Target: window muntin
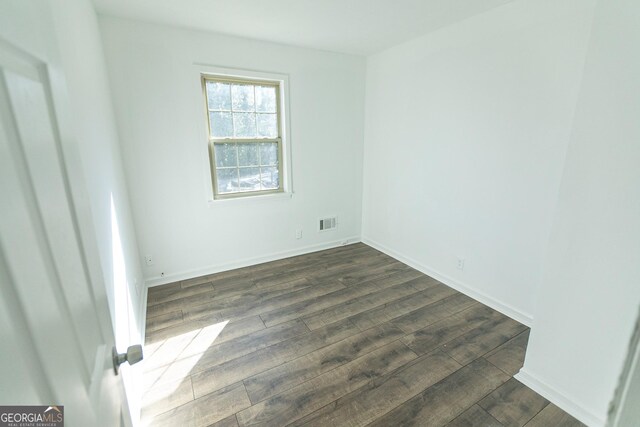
x,y
245,143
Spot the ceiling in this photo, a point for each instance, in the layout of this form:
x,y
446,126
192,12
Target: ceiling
x,y
350,26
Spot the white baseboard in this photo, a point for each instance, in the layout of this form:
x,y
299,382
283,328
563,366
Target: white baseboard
x,y
157,281
504,308
143,311
559,399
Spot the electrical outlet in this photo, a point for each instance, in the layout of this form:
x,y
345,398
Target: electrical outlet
x,y
148,259
298,234
460,264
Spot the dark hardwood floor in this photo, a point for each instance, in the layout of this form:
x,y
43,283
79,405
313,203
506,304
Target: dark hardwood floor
x,y
343,337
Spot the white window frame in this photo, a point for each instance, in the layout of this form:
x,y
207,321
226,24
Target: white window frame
x,y
284,152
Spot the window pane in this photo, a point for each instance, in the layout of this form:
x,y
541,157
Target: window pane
x,y
249,179
269,153
242,98
267,125
221,125
226,155
244,111
245,125
227,180
248,154
266,99
270,178
219,95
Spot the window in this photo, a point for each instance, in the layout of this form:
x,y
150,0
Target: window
x,y
245,138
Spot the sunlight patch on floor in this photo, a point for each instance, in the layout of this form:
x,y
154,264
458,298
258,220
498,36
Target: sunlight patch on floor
x,y
171,362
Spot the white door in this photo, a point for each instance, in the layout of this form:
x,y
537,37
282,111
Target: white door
x,y
56,336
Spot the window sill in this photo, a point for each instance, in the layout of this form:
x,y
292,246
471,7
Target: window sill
x,y
250,199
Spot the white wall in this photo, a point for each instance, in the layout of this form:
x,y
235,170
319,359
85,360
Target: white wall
x,y
465,137
158,100
590,292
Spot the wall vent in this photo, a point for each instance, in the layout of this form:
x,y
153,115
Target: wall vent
x,y
326,224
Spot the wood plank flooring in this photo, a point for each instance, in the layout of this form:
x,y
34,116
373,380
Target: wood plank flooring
x,y
343,337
